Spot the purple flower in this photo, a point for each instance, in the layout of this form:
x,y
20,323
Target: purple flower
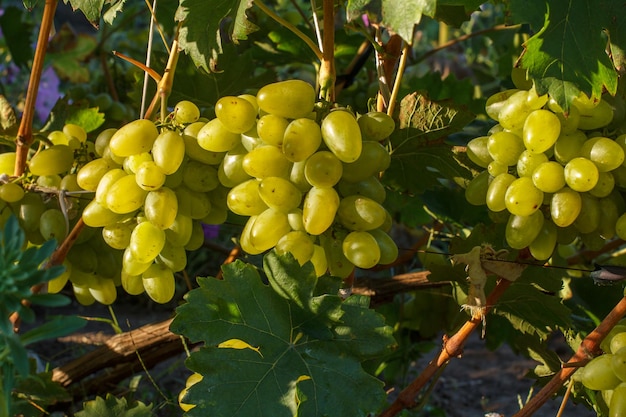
x,y
211,231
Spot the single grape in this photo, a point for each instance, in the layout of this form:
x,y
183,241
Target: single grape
x,y
476,190
361,249
595,117
341,134
338,264
604,186
30,209
200,177
370,187
96,215
581,174
319,209
134,137
103,291
215,137
11,192
271,129
617,341
617,404
75,131
266,161
360,213
186,112
52,225
497,101
301,139
522,198
193,149
497,190
56,159
161,207
149,176
376,126
174,257
132,163
298,243
117,235
541,130
387,246
374,158
290,99
521,231
280,194
514,111
146,241
230,172
245,200
197,236
7,163
604,152
92,172
477,151
549,177
323,169
237,114
125,195
544,244
598,374
319,260
168,151
158,281
588,219
105,184
193,204
528,161
179,233
132,284
505,147
565,205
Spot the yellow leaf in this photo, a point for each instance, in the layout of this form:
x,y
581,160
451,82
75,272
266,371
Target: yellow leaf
x,y
238,344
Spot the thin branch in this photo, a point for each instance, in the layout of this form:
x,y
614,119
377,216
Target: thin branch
x,y
327,74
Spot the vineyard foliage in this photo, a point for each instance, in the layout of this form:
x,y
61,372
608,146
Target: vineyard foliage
x,y
278,336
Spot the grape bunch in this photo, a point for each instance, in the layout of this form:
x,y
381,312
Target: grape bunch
x,y
553,177
607,373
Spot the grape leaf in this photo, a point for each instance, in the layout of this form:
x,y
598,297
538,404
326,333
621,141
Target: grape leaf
x,y
207,26
89,118
290,371
114,407
567,54
67,53
17,35
90,8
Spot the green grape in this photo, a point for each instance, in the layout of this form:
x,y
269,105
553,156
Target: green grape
x,y
215,137
617,405
342,136
200,177
319,209
230,172
244,239
505,147
56,159
7,163
476,190
133,138
105,184
57,137
565,205
581,174
179,233
193,149
56,285
549,177
236,114
323,169
83,258
360,213
361,249
49,181
117,235
103,291
608,219
161,207
301,139
541,130
174,257
370,187
150,176
594,117
250,140
604,152
146,241
197,236
92,172
521,231
271,129
132,266
268,228
604,186
252,100
569,123
295,219
496,168
535,101
168,151
125,195
319,260
279,194
522,198
31,207
617,341
186,112
158,281
75,131
598,374
376,126
132,163
11,192
374,158
112,158
497,101
132,284
193,204
477,151
298,178
97,215
175,180
620,227
528,161
245,200
543,245
514,111
290,99
298,243
82,295
497,190
338,264
387,246
588,219
52,225
266,161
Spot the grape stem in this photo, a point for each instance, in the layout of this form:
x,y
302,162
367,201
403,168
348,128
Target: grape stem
x,y
452,347
327,74
587,349
25,131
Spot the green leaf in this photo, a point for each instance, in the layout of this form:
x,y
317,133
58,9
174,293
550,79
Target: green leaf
x,y
56,327
17,35
402,16
111,12
287,370
67,54
114,407
37,389
90,8
89,118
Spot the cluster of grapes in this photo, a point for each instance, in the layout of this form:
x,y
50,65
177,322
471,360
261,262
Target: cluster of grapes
x,y
607,373
552,177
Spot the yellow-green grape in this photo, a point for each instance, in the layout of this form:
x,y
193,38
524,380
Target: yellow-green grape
x,y
295,219
103,291
56,284
620,227
186,112
476,190
82,295
521,231
604,152
477,151
387,246
514,111
544,244
616,339
360,213
598,374
197,236
250,140
11,192
174,257
604,186
608,219
237,114
102,140
52,225
496,168
150,176
318,259
271,129
132,266
528,161
338,264
31,207
161,207
134,137
581,174
505,147
541,130
374,158
534,100
589,217
75,131
497,190
168,151
361,249
56,159
132,284
301,139
569,122
323,169
569,146
279,194
159,283
97,215
376,126
90,174
193,204
125,195
230,172
146,241
215,137
244,239
83,258
193,149
200,177
565,205
245,200
290,99
132,163
522,198
497,101
107,180
268,228
298,243
319,209
266,161
57,137
117,235
7,163
594,117
617,405
49,181
370,187
549,177
179,233
176,179
342,135
191,380
298,177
